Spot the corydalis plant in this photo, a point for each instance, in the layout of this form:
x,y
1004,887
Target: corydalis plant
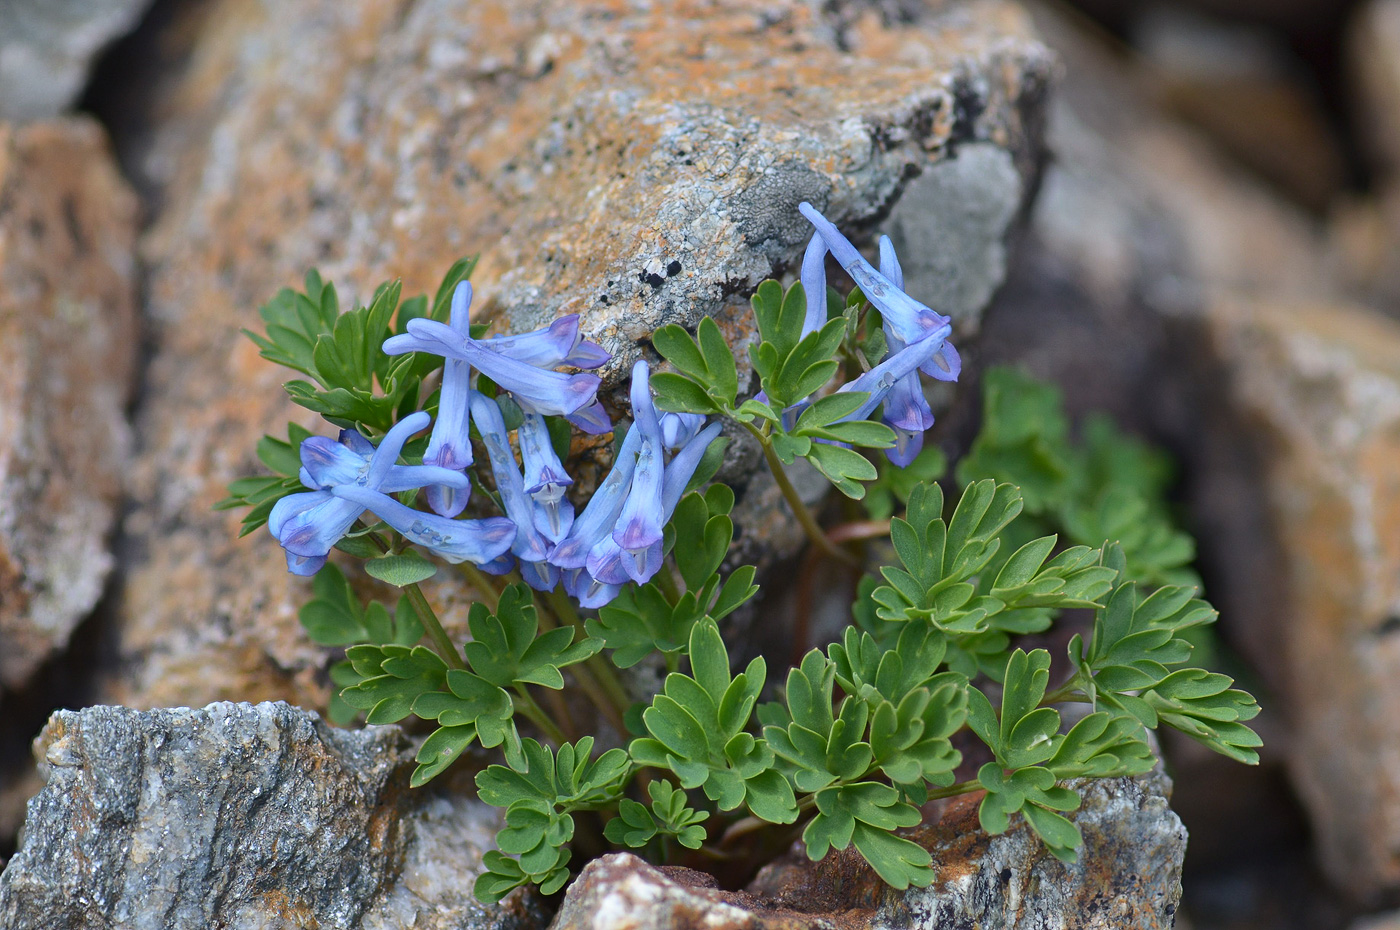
x,y
572,590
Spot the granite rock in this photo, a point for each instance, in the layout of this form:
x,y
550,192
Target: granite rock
x,y
637,163
68,339
241,816
47,47
1128,876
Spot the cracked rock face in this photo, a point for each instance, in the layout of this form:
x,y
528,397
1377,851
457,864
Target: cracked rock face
x,y
241,816
1128,877
637,163
68,340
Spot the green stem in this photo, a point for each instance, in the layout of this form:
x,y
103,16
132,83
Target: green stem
x,y
962,787
436,633
481,581
587,673
1067,693
794,501
532,712
564,609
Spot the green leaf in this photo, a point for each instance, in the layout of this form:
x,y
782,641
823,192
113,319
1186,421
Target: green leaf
x,y
696,728
843,468
394,677
400,570
506,651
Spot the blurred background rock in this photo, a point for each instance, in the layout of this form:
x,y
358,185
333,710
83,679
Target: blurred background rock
x,y
1188,215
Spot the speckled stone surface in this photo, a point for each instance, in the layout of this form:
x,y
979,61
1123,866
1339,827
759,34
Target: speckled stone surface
x,y
68,339
1128,878
639,163
241,816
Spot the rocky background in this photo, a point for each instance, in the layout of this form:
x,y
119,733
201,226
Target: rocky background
x,y
1186,212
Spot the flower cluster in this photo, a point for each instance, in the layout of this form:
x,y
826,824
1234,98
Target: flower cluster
x,y
916,335
616,538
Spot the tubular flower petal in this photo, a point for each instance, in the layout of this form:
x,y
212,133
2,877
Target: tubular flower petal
x,y
327,463
640,524
587,590
677,429
559,343
545,479
593,419
477,541
351,476
548,392
600,515
906,409
905,316
814,285
881,379
450,445
529,545
682,467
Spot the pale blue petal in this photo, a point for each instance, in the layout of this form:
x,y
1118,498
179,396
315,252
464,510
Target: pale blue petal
x,y
677,429
408,477
682,467
814,285
909,318
529,545
600,515
587,590
326,463
390,446
605,562
476,541
545,479
907,446
593,419
881,379
539,575
889,263
310,524
557,344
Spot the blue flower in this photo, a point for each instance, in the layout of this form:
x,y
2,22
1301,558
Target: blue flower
x,y
545,478
450,445
536,389
814,285
906,409
559,343
530,545
602,510
351,476
641,524
677,429
905,316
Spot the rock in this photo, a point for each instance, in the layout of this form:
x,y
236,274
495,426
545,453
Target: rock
x,y
68,339
640,165
1218,327
47,46
1128,876
241,816
1374,37
1314,389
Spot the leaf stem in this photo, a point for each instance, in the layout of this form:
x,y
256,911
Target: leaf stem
x,y
962,787
593,674
532,712
441,642
490,595
794,500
